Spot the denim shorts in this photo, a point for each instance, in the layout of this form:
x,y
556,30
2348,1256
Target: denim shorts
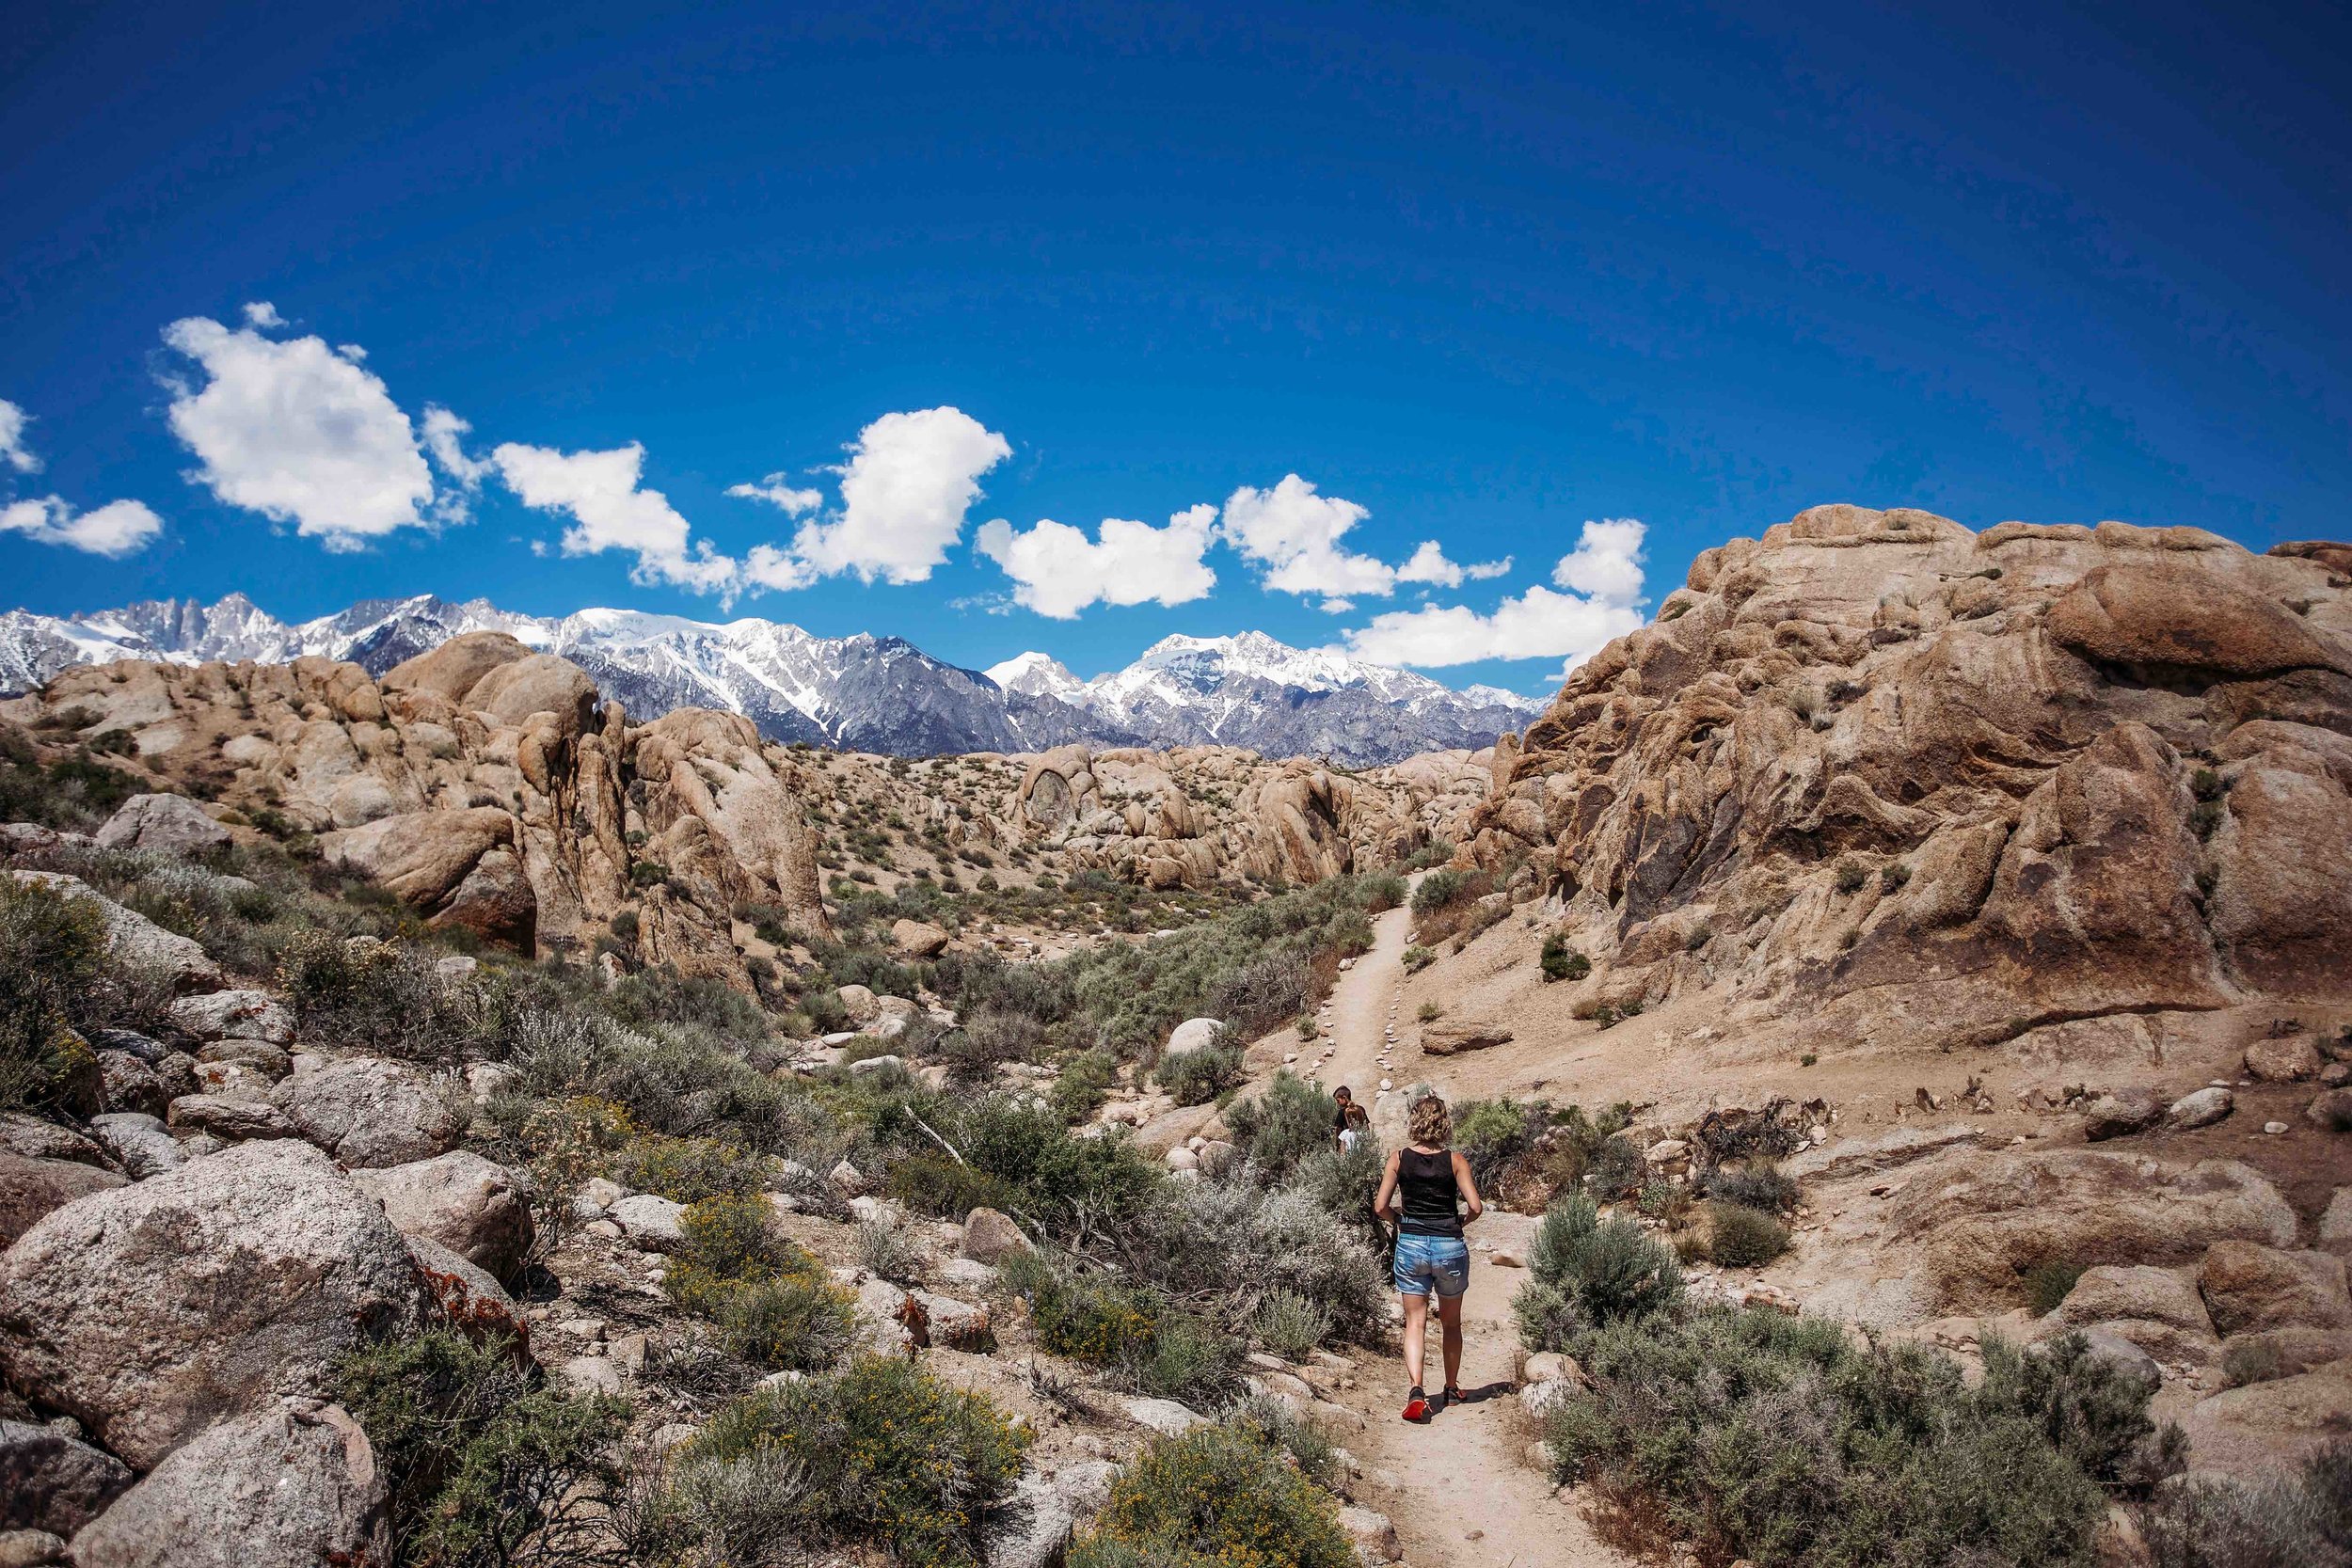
x,y
1432,1265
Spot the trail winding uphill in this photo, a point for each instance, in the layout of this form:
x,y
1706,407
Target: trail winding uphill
x,y
1461,1489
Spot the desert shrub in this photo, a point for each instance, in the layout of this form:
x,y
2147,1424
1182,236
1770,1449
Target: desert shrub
x,y
1289,1120
1291,1325
1738,1237
989,1040
1277,1423
385,998
2092,1409
1137,1334
1441,888
1237,1242
1020,1157
770,1302
1585,1272
52,956
1343,1183
486,1466
881,1453
1083,1084
1777,1439
1758,1186
2249,1361
1492,1133
1383,890
662,997
1851,874
1418,958
1220,1495
2048,1283
688,1170
1563,962
885,1250
1429,1012
935,1184
2303,1521
1613,1168
1197,1077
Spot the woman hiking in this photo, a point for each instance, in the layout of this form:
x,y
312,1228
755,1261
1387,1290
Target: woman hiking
x,y
1426,1189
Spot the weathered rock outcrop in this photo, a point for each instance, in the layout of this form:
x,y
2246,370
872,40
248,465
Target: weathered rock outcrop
x,y
1957,784
152,1311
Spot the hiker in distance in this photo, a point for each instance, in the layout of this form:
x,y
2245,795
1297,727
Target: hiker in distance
x,y
1344,1099
1427,1190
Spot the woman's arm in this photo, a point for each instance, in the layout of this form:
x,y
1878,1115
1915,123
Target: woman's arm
x,y
1469,1184
1380,1205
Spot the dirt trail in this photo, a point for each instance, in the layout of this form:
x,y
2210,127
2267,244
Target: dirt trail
x,y
1459,1490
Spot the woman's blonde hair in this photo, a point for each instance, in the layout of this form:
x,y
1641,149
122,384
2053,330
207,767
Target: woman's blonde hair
x,y
1429,1122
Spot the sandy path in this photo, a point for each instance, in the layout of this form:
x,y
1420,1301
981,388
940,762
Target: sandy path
x,y
1460,1490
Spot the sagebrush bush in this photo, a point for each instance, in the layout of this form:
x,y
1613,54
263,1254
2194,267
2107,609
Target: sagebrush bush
x,y
1197,1077
2091,1408
987,1040
770,1303
1778,1440
2047,1284
479,1457
1216,1494
2247,1361
688,1170
1290,1324
1285,1122
52,956
1563,962
1759,1185
1441,888
2303,1521
1738,1237
1082,1085
1585,1273
881,1451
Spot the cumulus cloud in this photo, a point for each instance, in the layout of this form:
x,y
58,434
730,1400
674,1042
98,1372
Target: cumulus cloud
x,y
1058,571
14,452
1295,534
1606,562
767,566
443,438
1605,571
1429,564
298,433
115,530
610,511
909,481
775,492
261,314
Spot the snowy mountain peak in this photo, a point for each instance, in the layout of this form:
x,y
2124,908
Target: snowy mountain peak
x,y
865,692
1036,674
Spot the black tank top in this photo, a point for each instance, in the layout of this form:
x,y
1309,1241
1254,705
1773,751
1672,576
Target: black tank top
x,y
1425,1182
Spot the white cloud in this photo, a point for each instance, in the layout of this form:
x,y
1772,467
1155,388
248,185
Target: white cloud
x,y
609,513
1337,607
261,314
775,492
1295,533
300,434
443,432
1429,564
118,528
904,491
1605,566
767,566
1606,562
1058,571
14,452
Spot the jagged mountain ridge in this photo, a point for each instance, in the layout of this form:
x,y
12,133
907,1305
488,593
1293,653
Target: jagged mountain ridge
x,y
864,692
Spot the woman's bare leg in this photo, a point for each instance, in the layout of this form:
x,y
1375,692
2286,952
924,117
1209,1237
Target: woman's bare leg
x,y
1449,1320
1416,1330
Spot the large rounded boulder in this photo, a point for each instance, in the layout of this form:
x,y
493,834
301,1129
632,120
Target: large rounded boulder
x,y
476,1208
295,1482
152,1311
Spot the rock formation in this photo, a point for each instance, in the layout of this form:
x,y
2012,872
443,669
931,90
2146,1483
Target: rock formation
x,y
1955,786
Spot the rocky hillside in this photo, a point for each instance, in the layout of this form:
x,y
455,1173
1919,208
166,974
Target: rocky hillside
x,y
490,787
1928,787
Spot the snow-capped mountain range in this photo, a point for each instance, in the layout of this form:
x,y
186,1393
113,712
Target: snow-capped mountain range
x,y
865,692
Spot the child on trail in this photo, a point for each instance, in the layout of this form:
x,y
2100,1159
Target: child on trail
x,y
1343,1098
1355,1126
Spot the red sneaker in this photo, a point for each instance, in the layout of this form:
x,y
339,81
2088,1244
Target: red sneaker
x,y
1417,1407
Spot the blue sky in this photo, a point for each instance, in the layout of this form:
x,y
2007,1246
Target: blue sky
x,y
1484,275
